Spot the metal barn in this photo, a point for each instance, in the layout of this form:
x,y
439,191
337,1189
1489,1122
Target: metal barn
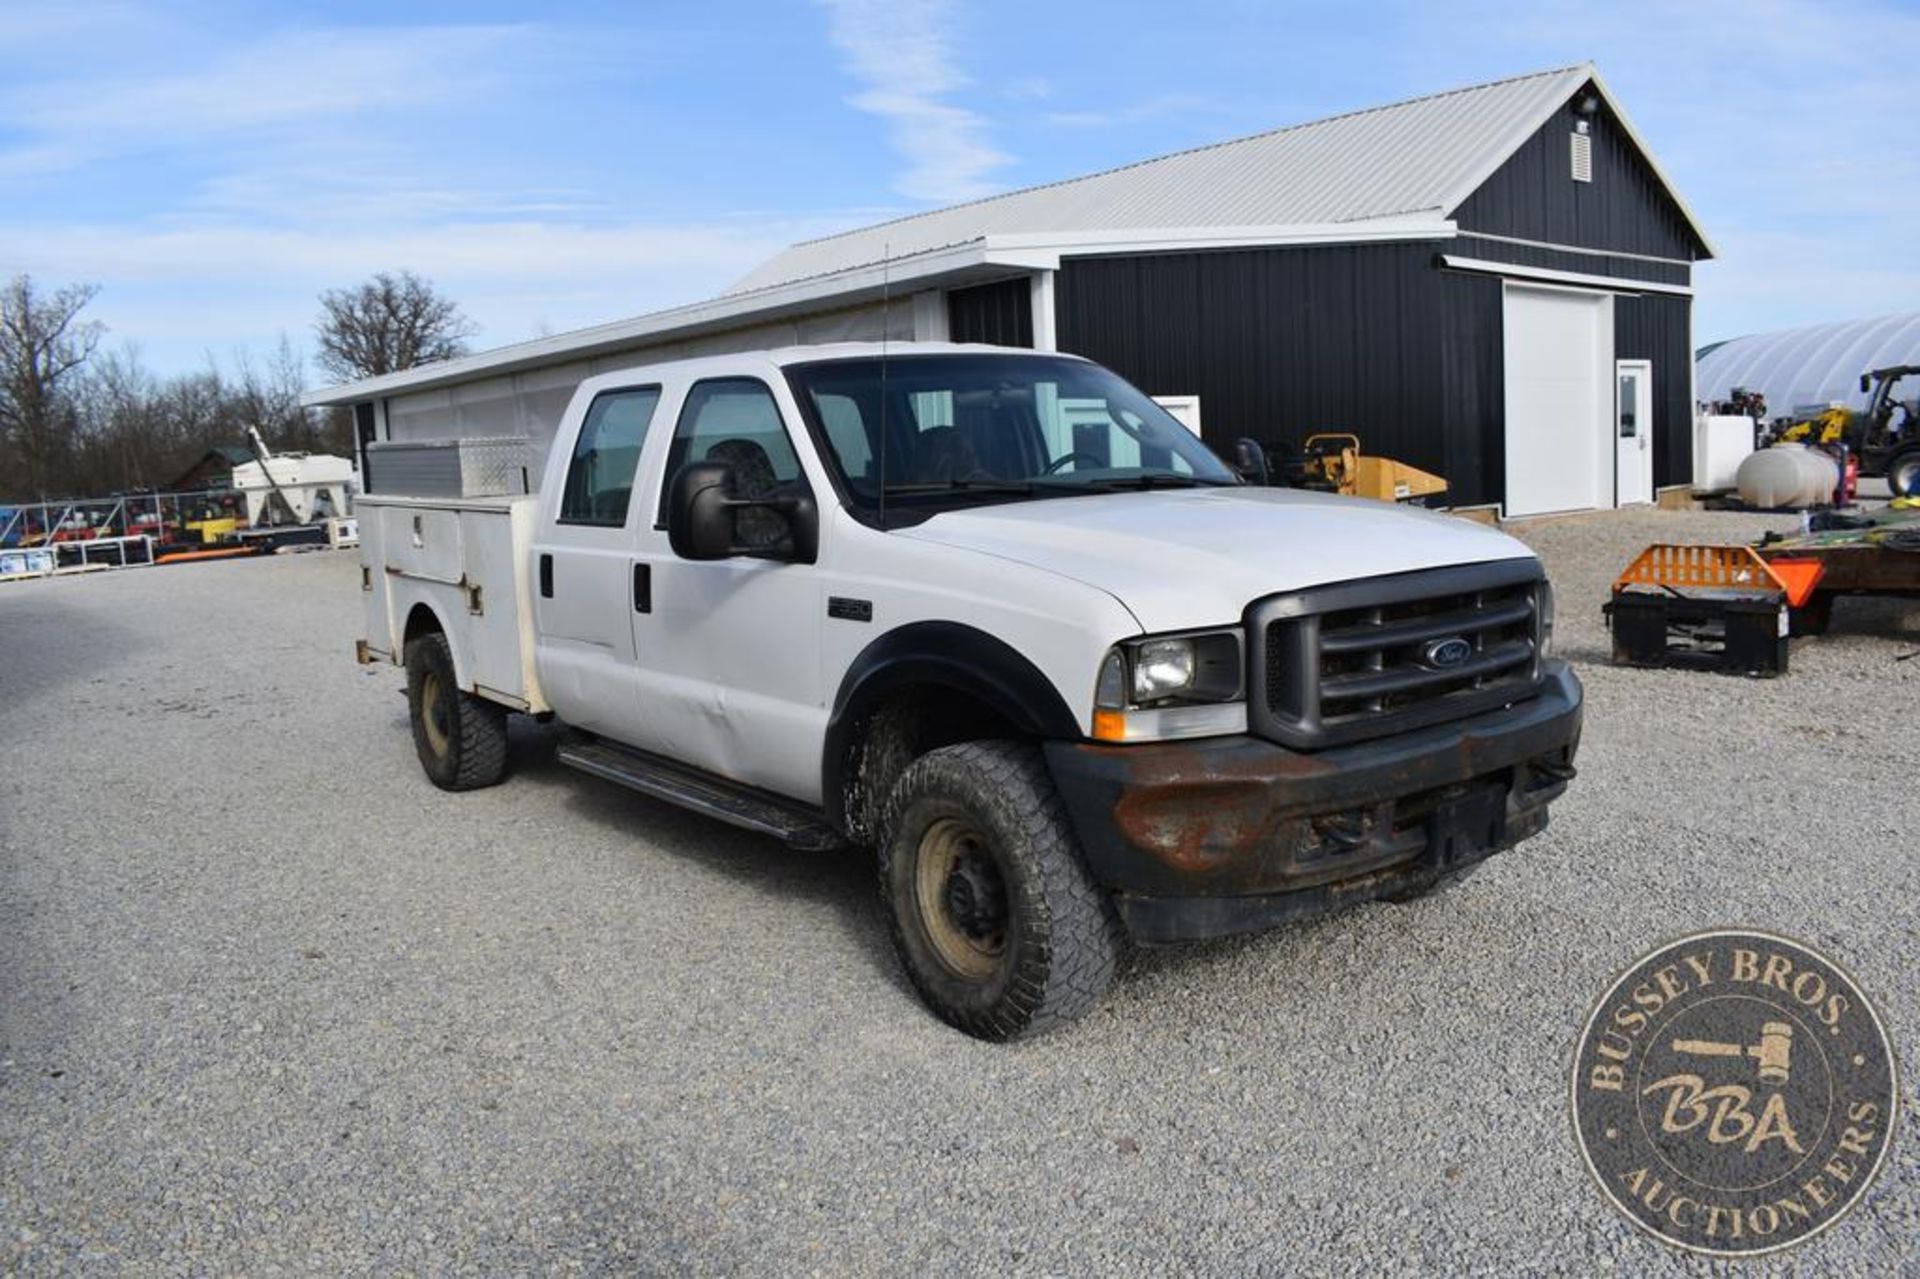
x,y
1494,283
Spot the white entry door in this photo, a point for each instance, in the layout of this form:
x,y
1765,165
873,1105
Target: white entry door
x,y
1633,432
1559,418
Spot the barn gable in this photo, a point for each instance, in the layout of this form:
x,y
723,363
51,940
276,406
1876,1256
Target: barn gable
x,y
1624,206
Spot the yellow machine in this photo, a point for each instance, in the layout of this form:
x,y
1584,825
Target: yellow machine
x,y
1332,460
212,531
1829,427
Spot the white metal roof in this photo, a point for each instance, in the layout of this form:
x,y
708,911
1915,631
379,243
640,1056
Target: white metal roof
x,y
1424,156
1817,364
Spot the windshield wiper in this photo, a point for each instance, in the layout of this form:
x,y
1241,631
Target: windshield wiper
x,y
1150,480
965,486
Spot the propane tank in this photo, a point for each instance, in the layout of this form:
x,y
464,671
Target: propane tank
x,y
1788,477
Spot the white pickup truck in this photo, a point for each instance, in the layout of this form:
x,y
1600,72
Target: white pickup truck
x,y
999,617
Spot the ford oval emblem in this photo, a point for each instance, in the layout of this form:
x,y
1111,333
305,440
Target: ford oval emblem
x,y
1442,653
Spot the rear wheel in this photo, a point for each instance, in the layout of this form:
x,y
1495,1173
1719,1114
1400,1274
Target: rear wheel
x,y
461,739
1903,474
1000,927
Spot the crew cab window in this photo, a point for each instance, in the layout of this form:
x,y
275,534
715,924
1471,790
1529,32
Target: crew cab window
x,y
734,420
606,453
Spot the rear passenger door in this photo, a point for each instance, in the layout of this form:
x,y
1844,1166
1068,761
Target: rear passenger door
x,y
729,652
583,566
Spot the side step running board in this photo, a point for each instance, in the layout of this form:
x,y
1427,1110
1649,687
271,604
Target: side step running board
x,y
737,805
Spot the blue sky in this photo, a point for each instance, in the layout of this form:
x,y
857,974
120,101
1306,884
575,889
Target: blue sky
x,y
213,166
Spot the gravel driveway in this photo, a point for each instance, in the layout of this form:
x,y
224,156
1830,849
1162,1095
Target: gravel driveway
x,y
269,1000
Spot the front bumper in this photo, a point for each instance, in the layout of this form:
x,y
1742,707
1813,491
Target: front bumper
x,y
1225,835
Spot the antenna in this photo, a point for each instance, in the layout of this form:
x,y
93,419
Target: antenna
x,y
886,322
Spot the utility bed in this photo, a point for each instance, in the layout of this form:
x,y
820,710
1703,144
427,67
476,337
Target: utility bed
x,y
452,557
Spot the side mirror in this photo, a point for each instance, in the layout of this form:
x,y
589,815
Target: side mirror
x,y
1866,383
703,519
1250,460
700,512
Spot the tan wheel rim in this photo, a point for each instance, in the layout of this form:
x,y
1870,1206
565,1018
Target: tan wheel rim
x,y
433,712
961,898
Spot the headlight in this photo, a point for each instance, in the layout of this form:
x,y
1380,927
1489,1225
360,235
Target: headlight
x,y
1169,686
1162,668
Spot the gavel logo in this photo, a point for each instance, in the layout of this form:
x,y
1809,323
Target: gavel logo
x,y
1773,1055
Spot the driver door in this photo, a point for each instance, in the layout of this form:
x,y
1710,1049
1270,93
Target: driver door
x,y
729,650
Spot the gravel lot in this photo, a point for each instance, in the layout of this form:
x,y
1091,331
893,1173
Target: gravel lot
x,y
269,1000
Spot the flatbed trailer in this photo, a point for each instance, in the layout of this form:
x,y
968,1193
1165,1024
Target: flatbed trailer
x,y
1881,557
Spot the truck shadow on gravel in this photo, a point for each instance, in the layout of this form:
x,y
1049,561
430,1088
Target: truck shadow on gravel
x,y
843,879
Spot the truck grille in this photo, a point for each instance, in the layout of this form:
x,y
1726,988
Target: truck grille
x,y
1357,660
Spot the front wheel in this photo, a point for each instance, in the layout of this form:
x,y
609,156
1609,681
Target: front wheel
x,y
461,739
1000,927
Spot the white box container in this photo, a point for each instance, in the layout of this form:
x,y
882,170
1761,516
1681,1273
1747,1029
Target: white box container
x,y
1721,441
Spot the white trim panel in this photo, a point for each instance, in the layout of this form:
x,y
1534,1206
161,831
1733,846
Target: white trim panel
x,y
1045,336
1578,279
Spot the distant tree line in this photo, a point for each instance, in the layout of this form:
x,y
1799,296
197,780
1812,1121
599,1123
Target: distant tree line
x,y
79,422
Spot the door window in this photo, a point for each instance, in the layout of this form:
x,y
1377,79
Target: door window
x,y
606,454
1629,405
735,420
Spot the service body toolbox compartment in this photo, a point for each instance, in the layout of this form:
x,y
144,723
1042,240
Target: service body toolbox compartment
x,y
454,558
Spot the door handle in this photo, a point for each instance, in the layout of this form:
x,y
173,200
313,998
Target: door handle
x,y
546,577
643,588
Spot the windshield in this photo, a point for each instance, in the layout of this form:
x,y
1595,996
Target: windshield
x,y
963,429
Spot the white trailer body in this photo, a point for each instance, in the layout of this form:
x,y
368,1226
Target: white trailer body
x,y
460,564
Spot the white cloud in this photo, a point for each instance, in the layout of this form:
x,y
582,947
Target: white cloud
x,y
902,50
291,88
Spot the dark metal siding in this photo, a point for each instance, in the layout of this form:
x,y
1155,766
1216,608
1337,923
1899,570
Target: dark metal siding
x,y
1626,208
1473,387
1279,343
1469,246
1655,327
1000,313
1371,338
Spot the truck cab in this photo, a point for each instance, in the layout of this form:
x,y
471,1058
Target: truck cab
x,y
998,617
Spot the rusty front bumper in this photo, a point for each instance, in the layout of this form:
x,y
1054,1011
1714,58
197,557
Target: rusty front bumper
x,y
1224,835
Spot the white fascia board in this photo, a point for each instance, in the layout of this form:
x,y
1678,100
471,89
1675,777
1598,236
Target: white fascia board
x,y
726,311
1522,274
1042,251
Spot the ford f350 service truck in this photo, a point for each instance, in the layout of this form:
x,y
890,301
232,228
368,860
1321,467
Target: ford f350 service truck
x,y
999,617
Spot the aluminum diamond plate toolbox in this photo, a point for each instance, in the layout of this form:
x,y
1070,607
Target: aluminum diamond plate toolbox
x,y
481,467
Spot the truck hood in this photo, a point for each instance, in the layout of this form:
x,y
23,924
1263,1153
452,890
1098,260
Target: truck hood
x,y
1180,558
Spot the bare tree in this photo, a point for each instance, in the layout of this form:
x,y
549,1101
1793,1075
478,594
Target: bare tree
x,y
43,341
391,322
